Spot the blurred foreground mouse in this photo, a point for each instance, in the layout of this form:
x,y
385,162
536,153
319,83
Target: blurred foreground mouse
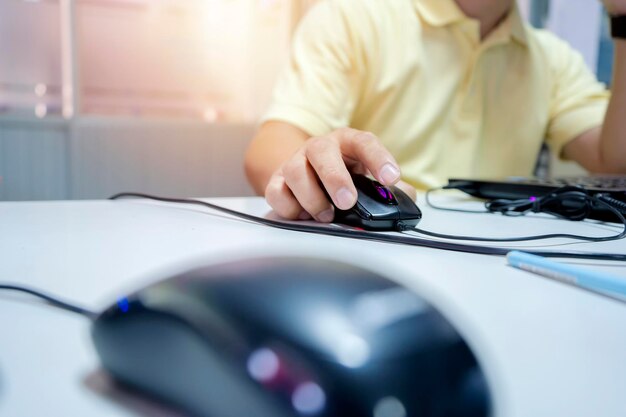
x,y
290,337
379,207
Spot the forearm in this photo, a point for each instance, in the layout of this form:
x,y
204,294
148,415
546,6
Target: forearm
x,y
613,138
273,144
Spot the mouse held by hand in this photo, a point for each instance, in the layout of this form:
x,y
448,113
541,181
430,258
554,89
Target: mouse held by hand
x,y
317,178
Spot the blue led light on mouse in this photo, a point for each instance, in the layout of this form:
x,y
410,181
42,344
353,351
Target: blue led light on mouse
x,y
123,304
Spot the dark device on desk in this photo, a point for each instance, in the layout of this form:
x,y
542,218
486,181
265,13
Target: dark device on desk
x,y
379,207
290,337
524,187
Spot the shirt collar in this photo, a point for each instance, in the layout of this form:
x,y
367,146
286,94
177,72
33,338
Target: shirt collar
x,y
518,26
440,13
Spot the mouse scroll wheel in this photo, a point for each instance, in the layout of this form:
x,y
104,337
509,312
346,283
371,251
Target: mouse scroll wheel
x,y
385,195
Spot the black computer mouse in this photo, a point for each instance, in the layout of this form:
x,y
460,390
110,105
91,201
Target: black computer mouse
x,y
290,337
379,207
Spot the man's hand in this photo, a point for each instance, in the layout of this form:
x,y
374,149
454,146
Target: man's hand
x,y
615,7
295,189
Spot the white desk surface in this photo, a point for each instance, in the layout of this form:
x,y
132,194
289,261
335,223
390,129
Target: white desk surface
x,y
548,349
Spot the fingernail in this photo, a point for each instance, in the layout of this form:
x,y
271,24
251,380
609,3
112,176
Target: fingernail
x,y
389,174
326,216
345,198
304,216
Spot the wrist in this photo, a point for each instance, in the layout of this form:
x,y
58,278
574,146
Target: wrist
x,y
619,50
619,62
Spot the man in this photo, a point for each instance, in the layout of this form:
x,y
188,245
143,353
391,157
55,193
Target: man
x,y
437,88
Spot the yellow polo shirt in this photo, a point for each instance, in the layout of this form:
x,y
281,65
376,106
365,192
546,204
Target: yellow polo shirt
x,y
416,74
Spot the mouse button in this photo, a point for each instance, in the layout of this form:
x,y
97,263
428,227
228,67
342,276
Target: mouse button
x,y
376,210
406,204
189,304
301,301
397,320
353,215
408,210
426,332
200,307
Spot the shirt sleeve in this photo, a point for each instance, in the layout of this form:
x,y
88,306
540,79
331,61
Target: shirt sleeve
x,y
315,91
578,101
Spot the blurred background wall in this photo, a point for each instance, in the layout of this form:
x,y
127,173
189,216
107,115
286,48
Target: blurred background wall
x,y
162,96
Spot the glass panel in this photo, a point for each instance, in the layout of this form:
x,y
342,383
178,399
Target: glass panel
x,y
539,10
30,70
605,57
194,59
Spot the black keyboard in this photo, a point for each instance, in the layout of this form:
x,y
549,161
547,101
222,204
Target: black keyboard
x,y
524,187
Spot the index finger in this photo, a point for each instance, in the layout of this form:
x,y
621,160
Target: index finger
x,y
324,155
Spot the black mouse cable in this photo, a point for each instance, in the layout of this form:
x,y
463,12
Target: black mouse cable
x,y
51,299
442,208
588,200
511,207
376,236
538,205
